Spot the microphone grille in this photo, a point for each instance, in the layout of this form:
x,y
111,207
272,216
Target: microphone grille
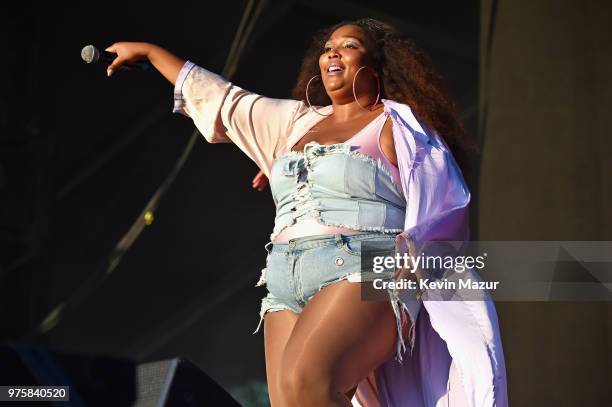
x,y
90,54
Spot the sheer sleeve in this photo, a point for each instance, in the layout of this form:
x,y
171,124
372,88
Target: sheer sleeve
x,y
226,113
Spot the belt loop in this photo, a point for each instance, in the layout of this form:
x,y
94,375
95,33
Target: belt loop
x,y
339,241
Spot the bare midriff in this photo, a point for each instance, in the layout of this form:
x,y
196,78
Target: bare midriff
x,y
309,227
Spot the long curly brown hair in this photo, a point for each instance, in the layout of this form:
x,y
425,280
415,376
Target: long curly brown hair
x,y
406,76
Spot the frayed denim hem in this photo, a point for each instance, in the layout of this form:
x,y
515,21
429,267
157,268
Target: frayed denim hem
x,y
401,311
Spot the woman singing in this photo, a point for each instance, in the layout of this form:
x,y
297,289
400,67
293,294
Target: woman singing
x,y
356,157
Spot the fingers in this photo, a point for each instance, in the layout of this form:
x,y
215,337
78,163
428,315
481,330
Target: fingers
x,y
260,181
113,66
258,176
116,62
258,186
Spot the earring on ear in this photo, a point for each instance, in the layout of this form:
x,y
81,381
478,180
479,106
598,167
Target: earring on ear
x,y
308,100
377,84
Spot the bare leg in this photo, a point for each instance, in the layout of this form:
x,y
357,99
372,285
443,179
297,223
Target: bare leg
x,y
337,341
278,326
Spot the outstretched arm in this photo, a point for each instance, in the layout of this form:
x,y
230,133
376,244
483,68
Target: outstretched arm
x,y
168,64
222,111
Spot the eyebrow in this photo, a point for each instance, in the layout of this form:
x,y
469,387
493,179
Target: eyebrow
x,y
347,36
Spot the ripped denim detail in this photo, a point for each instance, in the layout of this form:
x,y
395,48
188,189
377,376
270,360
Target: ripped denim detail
x,y
399,306
262,278
300,192
400,310
268,306
314,149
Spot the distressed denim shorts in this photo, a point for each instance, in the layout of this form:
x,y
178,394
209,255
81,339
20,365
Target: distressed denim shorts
x,y
295,271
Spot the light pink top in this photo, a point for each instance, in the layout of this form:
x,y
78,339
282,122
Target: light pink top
x,y
367,141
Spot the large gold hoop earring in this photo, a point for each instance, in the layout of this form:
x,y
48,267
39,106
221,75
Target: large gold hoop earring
x,y
308,100
377,93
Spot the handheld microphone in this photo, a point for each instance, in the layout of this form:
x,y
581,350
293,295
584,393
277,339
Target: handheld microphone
x,y
91,54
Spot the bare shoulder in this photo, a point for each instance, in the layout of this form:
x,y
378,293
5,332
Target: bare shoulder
x,y
386,141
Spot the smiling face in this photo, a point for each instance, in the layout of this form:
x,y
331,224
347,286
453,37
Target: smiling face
x,y
343,54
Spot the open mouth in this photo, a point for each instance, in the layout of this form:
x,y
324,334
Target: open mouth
x,y
333,69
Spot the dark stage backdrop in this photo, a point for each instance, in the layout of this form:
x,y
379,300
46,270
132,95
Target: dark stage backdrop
x,y
546,174
81,154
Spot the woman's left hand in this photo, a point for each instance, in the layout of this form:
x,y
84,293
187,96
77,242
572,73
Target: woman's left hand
x,y
260,181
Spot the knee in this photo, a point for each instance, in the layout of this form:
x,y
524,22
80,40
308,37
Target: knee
x,y
305,387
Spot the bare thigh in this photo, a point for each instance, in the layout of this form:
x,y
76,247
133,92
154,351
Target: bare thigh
x,y
340,339
278,326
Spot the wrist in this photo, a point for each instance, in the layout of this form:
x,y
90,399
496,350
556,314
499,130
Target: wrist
x,y
148,49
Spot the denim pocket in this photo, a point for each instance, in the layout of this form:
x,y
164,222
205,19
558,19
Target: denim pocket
x,y
352,247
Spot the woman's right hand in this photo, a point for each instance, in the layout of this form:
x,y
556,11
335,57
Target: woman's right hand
x,y
260,181
127,52
168,64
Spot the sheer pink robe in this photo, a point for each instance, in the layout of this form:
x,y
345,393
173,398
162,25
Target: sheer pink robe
x,y
456,356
